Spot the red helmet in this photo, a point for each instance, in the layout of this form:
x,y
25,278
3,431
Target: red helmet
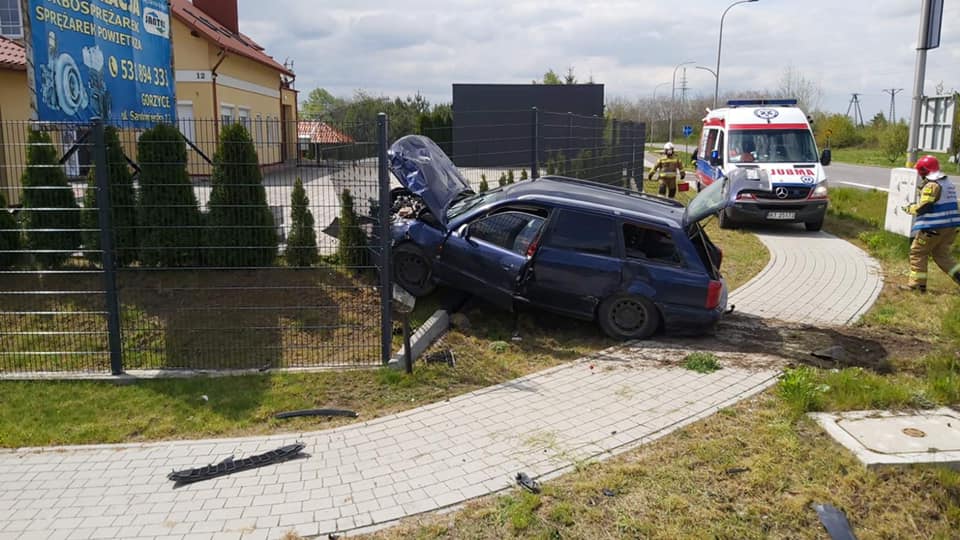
x,y
926,165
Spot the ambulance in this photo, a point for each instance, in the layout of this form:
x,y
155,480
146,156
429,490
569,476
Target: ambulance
x,y
773,135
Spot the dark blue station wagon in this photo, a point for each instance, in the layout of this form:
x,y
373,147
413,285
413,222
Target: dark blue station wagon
x,y
635,263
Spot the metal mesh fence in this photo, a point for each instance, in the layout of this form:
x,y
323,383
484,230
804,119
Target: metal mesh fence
x,y
234,246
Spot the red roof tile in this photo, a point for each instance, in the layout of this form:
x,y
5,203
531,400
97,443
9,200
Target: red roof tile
x,y
12,55
212,30
321,133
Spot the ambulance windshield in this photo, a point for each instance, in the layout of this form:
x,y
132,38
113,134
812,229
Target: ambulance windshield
x,y
772,146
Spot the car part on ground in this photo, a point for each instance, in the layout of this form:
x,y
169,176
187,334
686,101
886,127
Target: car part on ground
x,y
317,412
230,465
834,521
528,483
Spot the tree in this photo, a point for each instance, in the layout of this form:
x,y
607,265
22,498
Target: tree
x,y
9,235
793,84
523,175
894,140
510,179
352,250
322,105
551,77
570,78
167,211
484,186
879,121
502,181
302,242
240,227
837,130
54,226
123,206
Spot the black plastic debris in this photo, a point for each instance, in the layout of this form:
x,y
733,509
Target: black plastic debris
x,y
230,465
317,412
607,492
835,521
736,470
528,483
441,357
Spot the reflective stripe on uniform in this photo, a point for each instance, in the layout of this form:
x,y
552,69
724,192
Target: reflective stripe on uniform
x,y
955,270
919,275
945,213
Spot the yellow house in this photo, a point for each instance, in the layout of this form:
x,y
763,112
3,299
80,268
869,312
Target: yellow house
x,y
222,76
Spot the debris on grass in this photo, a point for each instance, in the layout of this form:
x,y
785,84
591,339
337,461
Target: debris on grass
x,y
499,347
835,521
230,466
701,362
524,481
317,412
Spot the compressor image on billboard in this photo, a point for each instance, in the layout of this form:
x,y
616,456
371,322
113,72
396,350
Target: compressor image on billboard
x,y
101,58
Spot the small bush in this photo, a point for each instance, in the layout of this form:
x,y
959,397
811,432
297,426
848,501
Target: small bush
x,y
837,131
484,186
352,251
701,362
302,242
801,391
9,235
502,181
523,175
510,179
893,142
46,187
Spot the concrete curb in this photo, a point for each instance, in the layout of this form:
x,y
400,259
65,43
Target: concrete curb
x,y
423,337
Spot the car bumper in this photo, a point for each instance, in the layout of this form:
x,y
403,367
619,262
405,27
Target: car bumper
x,y
806,212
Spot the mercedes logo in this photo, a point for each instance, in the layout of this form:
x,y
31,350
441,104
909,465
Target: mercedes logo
x,y
781,192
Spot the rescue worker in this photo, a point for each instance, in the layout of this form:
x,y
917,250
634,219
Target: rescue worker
x,y
935,226
669,165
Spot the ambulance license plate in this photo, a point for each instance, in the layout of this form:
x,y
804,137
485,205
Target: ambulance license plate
x,y
781,215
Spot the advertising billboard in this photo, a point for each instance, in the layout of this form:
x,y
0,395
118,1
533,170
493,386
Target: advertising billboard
x,y
100,58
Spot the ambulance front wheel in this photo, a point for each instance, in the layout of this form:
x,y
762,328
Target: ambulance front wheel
x,y
814,226
724,221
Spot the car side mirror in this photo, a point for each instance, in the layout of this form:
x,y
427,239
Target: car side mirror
x,y
715,158
826,157
464,233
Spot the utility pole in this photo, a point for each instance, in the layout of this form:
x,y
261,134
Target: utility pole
x,y
893,103
857,113
931,18
683,88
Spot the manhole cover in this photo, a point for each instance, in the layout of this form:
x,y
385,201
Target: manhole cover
x,y
905,434
913,432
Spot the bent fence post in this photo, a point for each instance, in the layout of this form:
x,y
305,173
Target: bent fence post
x,y
386,274
104,214
534,143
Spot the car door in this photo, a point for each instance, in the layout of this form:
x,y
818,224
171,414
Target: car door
x,y
654,267
577,264
488,256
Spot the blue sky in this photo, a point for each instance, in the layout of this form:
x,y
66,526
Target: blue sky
x,y
630,46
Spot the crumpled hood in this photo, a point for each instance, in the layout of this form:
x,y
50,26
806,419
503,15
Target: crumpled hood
x,y
422,167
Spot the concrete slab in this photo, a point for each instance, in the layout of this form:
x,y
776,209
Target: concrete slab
x,y
891,438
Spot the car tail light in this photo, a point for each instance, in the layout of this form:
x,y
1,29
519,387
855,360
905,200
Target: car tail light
x,y
746,197
714,291
532,248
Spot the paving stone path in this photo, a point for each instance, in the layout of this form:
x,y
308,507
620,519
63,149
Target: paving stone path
x,y
372,473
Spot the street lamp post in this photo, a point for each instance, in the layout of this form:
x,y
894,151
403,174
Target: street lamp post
x,y
673,96
653,125
716,74
715,78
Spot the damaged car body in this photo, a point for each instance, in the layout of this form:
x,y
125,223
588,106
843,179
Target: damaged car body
x,y
632,262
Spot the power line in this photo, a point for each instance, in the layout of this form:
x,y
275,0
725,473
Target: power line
x,y
893,103
857,113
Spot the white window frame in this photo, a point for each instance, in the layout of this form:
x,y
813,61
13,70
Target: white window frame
x,y
190,131
224,118
243,117
19,22
259,135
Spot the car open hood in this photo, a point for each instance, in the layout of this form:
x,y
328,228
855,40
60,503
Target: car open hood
x,y
422,167
723,193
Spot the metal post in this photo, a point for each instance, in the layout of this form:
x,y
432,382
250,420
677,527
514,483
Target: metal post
x,y
407,353
632,174
534,143
918,76
716,86
102,178
673,96
386,273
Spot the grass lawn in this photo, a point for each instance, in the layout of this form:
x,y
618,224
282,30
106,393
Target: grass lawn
x,y
874,156
753,470
54,413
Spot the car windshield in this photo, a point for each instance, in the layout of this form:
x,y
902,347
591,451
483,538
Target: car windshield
x,y
772,146
463,205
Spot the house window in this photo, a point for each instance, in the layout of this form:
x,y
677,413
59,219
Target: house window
x,y
226,115
10,24
271,130
259,135
243,114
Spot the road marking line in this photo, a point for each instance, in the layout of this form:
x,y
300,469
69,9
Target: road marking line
x,y
865,186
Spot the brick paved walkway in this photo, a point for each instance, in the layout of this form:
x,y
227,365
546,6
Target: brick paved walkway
x,y
811,278
432,457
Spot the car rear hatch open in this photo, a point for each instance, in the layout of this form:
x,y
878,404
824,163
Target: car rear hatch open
x,y
722,193
426,171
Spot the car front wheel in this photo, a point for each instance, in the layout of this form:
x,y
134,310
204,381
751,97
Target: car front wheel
x,y
628,317
412,270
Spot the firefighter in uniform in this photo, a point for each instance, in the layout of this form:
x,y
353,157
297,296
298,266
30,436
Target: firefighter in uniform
x,y
669,165
935,226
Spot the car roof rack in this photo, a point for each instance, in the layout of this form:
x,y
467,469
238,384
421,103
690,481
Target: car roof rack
x,y
618,189
763,101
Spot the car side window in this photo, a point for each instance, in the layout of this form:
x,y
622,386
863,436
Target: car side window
x,y
641,242
513,231
583,233
710,142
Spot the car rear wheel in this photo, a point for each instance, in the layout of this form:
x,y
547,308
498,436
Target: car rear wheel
x,y
412,270
628,317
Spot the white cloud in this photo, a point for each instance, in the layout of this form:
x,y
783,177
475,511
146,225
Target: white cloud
x,y
630,46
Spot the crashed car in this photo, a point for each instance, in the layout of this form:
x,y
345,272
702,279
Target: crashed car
x,y
632,262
